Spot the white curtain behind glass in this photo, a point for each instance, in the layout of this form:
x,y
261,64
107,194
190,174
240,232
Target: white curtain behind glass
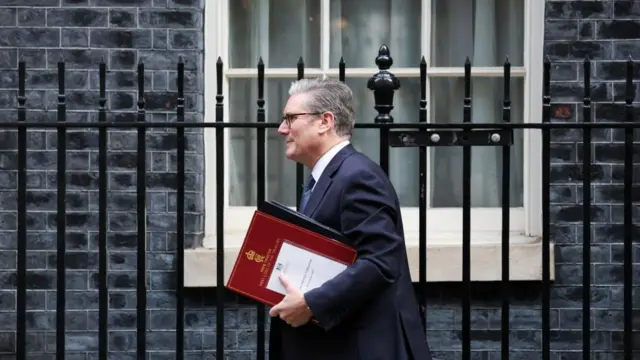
x,y
283,30
486,31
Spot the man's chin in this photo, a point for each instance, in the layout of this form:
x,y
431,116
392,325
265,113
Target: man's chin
x,y
290,155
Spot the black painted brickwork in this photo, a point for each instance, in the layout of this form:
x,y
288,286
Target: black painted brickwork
x,y
607,32
157,32
42,32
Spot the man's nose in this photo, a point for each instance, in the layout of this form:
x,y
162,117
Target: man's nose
x,y
283,129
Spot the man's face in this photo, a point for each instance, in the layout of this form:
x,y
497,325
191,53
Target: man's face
x,y
298,129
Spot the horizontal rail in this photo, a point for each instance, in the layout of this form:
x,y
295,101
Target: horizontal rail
x,y
403,126
446,72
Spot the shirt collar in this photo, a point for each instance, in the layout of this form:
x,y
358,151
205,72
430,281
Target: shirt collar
x,y
325,159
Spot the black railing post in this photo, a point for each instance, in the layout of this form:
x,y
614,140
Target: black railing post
x,y
103,311
628,213
422,194
220,194
341,70
21,299
299,168
384,84
546,200
506,210
141,283
261,150
466,220
61,217
180,142
586,215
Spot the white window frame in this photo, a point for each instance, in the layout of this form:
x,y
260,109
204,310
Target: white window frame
x,y
444,225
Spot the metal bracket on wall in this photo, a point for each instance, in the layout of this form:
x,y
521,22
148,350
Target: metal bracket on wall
x,y
417,138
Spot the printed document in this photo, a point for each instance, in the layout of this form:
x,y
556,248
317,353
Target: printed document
x,y
304,269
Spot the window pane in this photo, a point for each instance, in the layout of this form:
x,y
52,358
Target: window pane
x,y
281,31
281,174
486,31
359,28
403,162
280,170
486,162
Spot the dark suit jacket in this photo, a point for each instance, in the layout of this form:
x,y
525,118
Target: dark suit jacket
x,y
370,311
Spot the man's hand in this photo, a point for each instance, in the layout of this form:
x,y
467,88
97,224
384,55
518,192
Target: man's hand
x,y
293,308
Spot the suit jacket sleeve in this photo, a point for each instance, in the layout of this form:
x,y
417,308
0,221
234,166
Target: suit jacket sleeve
x,y
368,217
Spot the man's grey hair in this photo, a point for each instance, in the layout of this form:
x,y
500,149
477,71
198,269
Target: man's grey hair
x,y
329,95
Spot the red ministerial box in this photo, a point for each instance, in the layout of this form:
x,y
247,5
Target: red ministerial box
x,y
273,245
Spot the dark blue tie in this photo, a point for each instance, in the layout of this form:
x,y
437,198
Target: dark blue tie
x,y
306,194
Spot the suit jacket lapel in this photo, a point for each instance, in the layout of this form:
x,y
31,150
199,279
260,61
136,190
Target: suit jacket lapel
x,y
325,180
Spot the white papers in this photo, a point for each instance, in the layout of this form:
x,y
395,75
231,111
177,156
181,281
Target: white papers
x,y
304,269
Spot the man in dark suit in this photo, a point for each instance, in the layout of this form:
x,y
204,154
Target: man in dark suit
x,y
369,311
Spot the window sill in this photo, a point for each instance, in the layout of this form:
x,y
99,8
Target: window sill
x,y
444,259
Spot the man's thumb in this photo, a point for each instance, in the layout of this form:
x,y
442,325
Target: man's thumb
x,y
274,311
285,282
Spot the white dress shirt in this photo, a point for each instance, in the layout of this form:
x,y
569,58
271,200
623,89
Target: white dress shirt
x,y
325,159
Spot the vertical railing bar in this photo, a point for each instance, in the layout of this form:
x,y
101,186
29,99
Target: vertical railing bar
x,y
180,142
21,300
299,167
628,213
102,220
546,160
141,296
61,216
422,195
384,149
220,197
342,69
506,205
466,221
261,190
586,214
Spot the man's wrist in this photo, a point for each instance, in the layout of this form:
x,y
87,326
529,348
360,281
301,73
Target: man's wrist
x,y
306,304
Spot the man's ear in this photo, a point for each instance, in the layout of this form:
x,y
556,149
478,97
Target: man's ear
x,y
327,121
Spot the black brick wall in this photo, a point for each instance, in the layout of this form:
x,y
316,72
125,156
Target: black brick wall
x,y
157,32
82,33
606,32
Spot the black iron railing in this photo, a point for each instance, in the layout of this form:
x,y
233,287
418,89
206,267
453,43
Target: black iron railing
x,y
420,135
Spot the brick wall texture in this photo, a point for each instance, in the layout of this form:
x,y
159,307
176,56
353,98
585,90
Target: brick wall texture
x,y
158,32
82,33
